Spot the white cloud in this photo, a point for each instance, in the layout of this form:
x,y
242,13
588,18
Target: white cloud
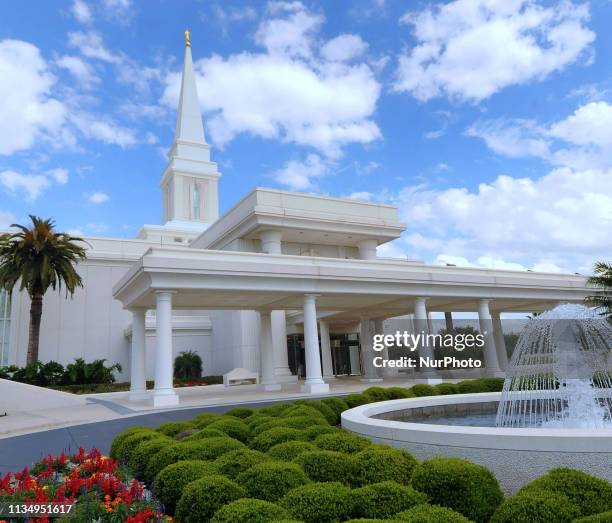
x,y
223,17
80,69
343,48
105,131
590,124
471,49
293,94
98,197
31,185
299,175
59,175
6,219
28,111
90,44
81,11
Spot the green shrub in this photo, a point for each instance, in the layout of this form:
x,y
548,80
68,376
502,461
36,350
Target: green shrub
x,y
131,442
232,427
459,484
122,436
144,451
258,419
303,410
205,433
237,461
492,384
604,517
266,440
188,366
379,463
376,394
172,428
338,405
319,502
430,513
171,481
445,389
381,500
270,481
190,432
248,510
240,412
209,448
290,450
470,386
206,418
342,441
356,399
203,497
536,506
397,393
328,413
275,410
297,422
592,495
325,465
164,457
422,389
315,431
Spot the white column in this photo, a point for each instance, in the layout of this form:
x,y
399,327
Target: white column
x,y
367,249
271,241
500,342
448,318
163,393
266,352
368,371
326,353
279,342
138,383
421,325
385,372
430,326
314,383
486,328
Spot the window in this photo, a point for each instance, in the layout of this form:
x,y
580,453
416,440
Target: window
x,y
196,201
5,324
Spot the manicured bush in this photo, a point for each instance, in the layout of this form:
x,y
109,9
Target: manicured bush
x,y
248,510
189,432
397,393
203,497
258,419
171,481
338,405
315,431
209,448
329,413
122,436
174,427
430,513
459,484
445,389
237,461
240,412
470,386
592,495
381,463
204,433
376,394
131,442
266,440
492,384
303,410
290,450
144,451
326,465
382,500
275,410
188,366
203,420
536,506
356,399
342,441
422,389
297,422
604,517
164,457
232,427
270,481
319,502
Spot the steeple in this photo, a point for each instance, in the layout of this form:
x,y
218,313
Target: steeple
x,y
190,180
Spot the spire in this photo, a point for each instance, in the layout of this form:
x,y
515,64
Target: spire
x,y
189,119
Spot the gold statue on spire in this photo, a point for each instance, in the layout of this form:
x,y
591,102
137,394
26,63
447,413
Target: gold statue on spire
x,y
187,40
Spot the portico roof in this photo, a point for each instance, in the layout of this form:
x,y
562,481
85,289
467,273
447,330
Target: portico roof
x,y
215,280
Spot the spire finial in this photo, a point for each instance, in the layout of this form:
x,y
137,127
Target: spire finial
x,y
187,41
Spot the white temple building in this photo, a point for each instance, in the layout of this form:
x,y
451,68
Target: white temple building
x,y
282,284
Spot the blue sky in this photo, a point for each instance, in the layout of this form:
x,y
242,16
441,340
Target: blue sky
x,y
487,122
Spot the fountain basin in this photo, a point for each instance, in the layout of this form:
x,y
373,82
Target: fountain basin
x,y
515,455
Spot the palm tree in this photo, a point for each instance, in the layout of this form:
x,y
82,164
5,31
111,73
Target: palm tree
x,y
40,258
602,278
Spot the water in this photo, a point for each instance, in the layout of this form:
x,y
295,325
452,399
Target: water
x,y
560,374
468,420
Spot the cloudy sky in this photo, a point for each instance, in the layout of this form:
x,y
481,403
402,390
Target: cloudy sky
x,y
487,122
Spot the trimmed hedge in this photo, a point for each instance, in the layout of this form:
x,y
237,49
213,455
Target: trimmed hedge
x,y
429,513
604,517
237,461
290,450
376,394
266,440
380,463
304,410
121,437
327,466
319,502
248,510
203,434
297,422
382,500
143,453
328,413
592,495
342,441
129,444
314,432
444,389
164,457
338,405
270,481
203,497
203,420
240,412
470,489
275,410
209,448
422,389
172,428
536,506
397,393
356,399
233,427
171,481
